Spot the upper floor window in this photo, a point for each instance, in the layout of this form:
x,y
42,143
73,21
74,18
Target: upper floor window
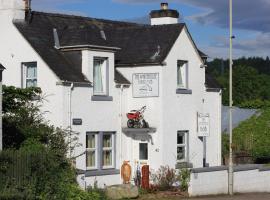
x,y
182,146
182,69
29,74
100,76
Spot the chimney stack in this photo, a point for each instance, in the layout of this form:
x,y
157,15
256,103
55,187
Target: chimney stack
x,y
164,15
27,8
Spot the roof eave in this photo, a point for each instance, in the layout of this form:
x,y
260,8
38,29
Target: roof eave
x,y
88,47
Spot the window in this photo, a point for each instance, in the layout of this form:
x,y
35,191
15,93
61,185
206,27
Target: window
x,y
100,76
143,154
182,146
182,74
29,74
100,150
91,150
107,150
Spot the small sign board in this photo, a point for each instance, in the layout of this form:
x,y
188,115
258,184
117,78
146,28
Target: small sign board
x,y
77,121
203,125
145,85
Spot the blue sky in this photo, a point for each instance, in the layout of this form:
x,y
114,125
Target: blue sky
x,y
207,20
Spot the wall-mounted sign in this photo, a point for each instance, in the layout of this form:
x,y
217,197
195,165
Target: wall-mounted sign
x,y
77,121
145,85
203,125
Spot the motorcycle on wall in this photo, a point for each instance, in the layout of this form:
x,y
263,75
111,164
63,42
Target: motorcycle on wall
x,y
136,119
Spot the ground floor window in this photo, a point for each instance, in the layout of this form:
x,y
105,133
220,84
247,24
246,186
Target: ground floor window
x,y
100,150
143,151
182,146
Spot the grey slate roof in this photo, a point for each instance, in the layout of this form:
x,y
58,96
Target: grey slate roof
x,y
120,79
139,44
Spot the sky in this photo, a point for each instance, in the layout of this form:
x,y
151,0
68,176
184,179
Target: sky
x,y
207,20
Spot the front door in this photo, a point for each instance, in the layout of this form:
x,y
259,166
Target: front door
x,y
140,151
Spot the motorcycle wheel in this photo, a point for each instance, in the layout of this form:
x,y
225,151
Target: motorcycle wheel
x,y
130,123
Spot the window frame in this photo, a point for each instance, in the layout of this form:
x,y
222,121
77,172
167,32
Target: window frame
x,y
104,76
91,150
99,150
183,65
24,78
185,145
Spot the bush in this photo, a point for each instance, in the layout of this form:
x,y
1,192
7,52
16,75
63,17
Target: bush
x,y
164,178
184,178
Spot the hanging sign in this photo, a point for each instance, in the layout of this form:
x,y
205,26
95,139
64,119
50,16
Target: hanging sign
x,y
145,85
203,125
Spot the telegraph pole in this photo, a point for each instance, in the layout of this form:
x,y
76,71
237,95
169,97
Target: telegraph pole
x,y
230,178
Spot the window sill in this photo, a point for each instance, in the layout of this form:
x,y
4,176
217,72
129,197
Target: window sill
x,y
183,91
102,172
181,165
101,98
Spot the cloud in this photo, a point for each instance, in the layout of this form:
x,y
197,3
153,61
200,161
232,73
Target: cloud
x,y
248,14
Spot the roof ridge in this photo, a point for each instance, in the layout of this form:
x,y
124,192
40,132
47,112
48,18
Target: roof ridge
x,y
63,15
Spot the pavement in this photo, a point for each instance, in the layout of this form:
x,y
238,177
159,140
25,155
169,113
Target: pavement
x,y
251,196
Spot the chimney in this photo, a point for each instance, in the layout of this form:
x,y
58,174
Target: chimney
x,y
12,9
27,8
164,15
164,6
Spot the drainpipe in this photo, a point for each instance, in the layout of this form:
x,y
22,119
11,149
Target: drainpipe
x,y
70,116
1,97
121,110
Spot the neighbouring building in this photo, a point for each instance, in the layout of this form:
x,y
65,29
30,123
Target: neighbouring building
x,y
94,71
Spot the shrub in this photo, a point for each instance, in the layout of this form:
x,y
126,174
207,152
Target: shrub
x,y
184,178
164,178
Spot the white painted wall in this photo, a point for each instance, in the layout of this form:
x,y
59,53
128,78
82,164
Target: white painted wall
x,y
216,182
164,20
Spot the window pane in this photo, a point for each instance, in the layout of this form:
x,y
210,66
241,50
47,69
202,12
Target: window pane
x,y
31,83
107,140
98,82
180,153
90,141
180,76
180,138
143,151
31,70
107,158
90,159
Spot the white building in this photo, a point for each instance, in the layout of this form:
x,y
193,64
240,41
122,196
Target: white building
x,y
94,71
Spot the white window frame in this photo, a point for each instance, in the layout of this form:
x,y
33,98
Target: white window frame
x,y
185,145
91,150
25,65
183,65
104,76
112,149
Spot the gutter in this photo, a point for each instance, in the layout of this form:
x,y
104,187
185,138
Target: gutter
x,y
86,46
140,64
75,84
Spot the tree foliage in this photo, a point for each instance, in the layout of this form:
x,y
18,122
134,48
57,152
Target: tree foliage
x,y
251,81
35,151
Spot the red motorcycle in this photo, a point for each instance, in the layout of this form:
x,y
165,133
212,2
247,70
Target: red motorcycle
x,y
136,120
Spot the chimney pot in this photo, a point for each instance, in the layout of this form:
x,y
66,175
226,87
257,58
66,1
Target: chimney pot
x,y
164,6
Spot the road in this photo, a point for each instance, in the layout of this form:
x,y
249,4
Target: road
x,y
255,196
